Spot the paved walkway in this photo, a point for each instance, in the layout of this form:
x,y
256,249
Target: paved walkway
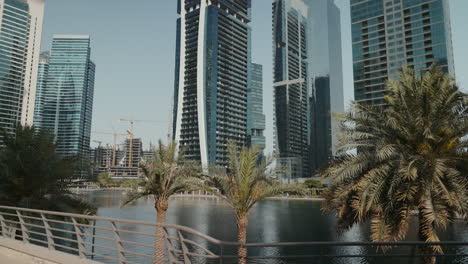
x,y
17,252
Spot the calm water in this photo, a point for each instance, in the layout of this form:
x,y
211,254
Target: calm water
x,y
270,221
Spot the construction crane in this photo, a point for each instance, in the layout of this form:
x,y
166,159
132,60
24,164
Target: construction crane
x,y
99,143
130,133
115,142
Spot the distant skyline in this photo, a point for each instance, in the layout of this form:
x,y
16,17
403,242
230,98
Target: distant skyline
x,y
133,46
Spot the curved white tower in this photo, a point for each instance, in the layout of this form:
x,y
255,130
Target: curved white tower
x,y
212,77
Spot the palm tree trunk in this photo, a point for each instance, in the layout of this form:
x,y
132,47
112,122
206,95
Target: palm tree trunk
x,y
425,249
159,248
242,222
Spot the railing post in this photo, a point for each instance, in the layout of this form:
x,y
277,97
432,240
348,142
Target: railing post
x,y
413,254
50,239
184,249
221,254
118,243
93,240
4,227
24,230
170,254
79,239
321,254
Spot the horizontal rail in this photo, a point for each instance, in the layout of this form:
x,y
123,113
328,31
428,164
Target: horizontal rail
x,y
89,217
103,247
402,243
353,256
101,256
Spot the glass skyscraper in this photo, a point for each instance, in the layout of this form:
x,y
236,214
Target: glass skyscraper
x,y
20,38
308,83
256,118
43,72
388,34
66,93
211,82
290,85
326,73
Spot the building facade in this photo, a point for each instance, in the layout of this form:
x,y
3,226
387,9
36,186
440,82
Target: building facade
x,y
326,74
388,34
67,96
20,38
290,85
211,82
256,118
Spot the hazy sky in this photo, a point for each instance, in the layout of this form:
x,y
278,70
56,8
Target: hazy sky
x,y
133,45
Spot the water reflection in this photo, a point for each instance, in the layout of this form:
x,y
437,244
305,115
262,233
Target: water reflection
x,y
270,221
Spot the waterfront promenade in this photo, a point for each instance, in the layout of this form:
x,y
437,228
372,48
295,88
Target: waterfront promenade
x,y
40,237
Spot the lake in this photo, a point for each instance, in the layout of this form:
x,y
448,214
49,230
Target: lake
x,y
270,221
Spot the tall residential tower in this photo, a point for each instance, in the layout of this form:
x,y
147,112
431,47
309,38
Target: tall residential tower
x,y
326,73
20,39
388,34
211,82
290,85
67,94
256,120
308,83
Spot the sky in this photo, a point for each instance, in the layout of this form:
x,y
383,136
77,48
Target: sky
x,y
133,46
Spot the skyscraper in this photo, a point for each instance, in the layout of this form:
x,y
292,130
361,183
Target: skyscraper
x,y
256,120
326,73
20,38
211,82
43,71
388,34
290,87
67,95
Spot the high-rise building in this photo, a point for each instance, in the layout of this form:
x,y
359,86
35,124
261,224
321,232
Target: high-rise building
x,y
388,34
326,73
43,71
290,87
20,38
67,96
256,118
211,82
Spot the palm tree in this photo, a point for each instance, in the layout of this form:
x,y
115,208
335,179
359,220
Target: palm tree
x,y
244,183
411,154
167,174
33,175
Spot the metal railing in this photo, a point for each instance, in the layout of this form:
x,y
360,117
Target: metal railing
x,y
112,240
